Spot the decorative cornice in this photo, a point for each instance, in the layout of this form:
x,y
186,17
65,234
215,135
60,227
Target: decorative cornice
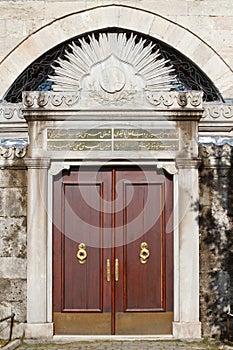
x,y
49,100
215,151
157,100
217,111
175,99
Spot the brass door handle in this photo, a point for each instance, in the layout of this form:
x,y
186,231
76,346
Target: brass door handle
x,y
144,253
108,271
82,253
116,270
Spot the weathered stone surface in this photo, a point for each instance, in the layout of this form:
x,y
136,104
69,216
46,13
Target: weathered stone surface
x,y
12,268
13,290
6,310
14,202
13,178
13,237
216,242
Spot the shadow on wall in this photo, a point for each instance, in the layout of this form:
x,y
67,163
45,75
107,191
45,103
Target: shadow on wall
x,y
216,238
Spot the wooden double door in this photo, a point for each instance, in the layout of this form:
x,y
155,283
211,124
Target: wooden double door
x,y
113,252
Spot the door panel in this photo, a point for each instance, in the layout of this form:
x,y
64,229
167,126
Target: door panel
x,y
117,214
82,282
141,290
83,290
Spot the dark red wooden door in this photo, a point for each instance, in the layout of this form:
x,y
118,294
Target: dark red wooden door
x,y
113,261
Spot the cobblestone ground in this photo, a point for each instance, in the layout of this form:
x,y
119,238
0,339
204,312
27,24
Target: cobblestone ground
x,y
126,345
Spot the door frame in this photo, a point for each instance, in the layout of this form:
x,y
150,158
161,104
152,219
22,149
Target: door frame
x,y
59,167
184,112
122,165
186,255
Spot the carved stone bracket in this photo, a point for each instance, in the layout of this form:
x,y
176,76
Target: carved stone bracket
x,y
56,168
170,168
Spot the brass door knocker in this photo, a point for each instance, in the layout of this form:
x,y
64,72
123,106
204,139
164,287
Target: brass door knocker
x,y
82,253
144,253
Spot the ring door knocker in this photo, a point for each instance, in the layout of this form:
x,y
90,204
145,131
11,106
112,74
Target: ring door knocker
x,y
82,253
144,253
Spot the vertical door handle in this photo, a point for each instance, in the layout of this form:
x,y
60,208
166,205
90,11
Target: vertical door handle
x,y
144,253
116,270
82,253
108,270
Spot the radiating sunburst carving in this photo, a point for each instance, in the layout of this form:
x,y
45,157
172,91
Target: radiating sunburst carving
x,y
119,58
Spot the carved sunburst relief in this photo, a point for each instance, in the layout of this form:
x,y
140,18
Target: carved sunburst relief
x,y
113,68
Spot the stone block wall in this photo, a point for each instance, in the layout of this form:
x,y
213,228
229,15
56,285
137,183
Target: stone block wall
x,y
210,20
216,238
13,197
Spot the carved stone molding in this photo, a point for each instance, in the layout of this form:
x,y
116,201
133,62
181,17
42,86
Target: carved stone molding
x,y
216,156
220,111
10,111
158,100
175,99
49,100
12,153
217,117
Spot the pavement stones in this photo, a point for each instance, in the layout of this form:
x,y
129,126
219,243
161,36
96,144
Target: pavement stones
x,y
124,345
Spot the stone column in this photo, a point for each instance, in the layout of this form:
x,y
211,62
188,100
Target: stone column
x,y
37,326
187,324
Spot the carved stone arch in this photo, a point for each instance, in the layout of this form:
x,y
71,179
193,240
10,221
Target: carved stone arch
x,y
117,16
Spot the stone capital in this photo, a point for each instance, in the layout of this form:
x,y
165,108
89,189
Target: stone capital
x,y
37,163
187,163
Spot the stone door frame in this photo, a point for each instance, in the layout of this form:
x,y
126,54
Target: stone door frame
x,y
43,163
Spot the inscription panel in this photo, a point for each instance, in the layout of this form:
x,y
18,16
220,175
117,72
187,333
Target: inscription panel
x,y
113,139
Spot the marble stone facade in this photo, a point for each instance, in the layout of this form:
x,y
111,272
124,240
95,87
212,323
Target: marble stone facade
x,y
201,30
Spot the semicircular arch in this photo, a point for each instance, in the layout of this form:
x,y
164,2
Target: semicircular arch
x,y
117,16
